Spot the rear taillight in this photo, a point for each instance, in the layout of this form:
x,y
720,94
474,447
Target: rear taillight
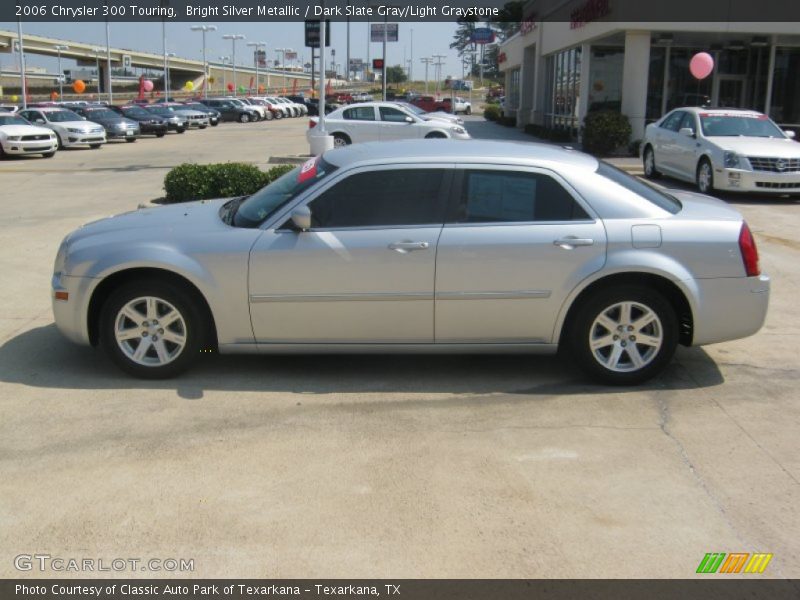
x,y
747,245
312,124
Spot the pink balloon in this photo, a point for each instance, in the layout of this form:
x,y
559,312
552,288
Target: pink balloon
x,y
148,85
701,65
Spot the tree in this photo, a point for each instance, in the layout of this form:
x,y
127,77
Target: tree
x,y
395,74
508,20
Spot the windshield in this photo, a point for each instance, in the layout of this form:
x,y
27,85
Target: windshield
x,y
411,108
101,114
135,111
640,188
197,106
161,110
61,116
269,199
6,119
729,125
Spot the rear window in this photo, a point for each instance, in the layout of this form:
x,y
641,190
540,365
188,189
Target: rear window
x,y
640,188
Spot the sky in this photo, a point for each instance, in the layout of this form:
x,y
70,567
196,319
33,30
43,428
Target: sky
x,y
429,38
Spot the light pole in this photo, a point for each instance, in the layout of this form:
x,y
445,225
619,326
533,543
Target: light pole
x,y
233,37
59,48
97,65
224,60
166,77
257,46
438,63
411,59
204,29
283,52
427,60
108,63
164,4
22,76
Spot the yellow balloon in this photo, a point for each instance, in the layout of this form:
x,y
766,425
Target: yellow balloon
x,y
14,98
189,85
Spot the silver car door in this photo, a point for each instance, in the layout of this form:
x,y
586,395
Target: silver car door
x,y
364,271
666,148
516,242
687,147
395,126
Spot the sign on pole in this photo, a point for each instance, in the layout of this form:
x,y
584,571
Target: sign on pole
x,y
376,32
482,35
312,33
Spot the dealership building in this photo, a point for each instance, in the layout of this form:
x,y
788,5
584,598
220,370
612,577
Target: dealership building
x,y
558,71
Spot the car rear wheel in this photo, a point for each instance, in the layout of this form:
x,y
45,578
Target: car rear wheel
x,y
340,140
180,130
94,146
44,154
469,110
151,330
160,135
435,135
130,140
625,335
649,162
705,177
244,118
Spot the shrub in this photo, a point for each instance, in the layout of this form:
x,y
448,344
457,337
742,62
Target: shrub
x,y
605,131
199,182
551,134
634,147
491,112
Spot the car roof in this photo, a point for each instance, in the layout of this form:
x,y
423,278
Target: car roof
x,y
488,151
720,111
53,108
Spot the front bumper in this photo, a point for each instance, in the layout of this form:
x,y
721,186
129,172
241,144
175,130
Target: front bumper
x,y
30,146
198,122
85,138
128,134
729,308
760,182
71,314
154,128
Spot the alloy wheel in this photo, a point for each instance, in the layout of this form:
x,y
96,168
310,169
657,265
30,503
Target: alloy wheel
x,y
626,337
150,331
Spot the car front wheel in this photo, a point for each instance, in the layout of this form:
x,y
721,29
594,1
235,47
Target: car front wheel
x,y
244,118
649,162
624,335
705,177
151,330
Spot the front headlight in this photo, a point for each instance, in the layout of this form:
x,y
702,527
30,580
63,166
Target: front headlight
x,y
458,130
730,160
14,138
73,130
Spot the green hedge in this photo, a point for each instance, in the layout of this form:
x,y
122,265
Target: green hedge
x,y
605,131
553,134
491,112
191,181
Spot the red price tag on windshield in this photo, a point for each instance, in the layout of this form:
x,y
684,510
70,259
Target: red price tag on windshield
x,y
307,171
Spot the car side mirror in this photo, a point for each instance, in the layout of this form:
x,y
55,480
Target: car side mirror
x,y
39,121
301,218
409,120
687,131
789,133
83,118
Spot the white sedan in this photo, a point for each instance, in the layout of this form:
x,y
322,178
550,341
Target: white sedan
x,y
17,136
70,128
723,149
382,121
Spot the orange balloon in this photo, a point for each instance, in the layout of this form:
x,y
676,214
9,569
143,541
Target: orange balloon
x,y
79,87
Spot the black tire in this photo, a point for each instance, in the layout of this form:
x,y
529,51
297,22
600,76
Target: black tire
x,y
130,140
215,123
278,115
180,130
203,126
60,141
649,163
44,154
704,177
244,118
183,302
468,111
340,140
268,115
2,152
435,135
160,135
94,146
654,358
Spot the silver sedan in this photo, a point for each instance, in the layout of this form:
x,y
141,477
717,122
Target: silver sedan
x,y
419,246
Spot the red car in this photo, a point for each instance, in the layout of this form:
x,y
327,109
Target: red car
x,y
431,104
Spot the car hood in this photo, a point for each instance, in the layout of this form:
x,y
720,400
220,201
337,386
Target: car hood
x,y
82,125
112,122
24,130
753,146
190,112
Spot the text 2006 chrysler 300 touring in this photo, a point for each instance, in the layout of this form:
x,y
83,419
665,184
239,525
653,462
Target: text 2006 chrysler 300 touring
x,y
420,246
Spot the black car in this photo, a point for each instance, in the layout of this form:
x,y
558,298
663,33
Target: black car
x,y
313,106
213,114
148,122
230,111
117,127
175,122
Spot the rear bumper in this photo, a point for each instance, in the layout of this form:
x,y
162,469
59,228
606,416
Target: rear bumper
x,y
761,182
729,308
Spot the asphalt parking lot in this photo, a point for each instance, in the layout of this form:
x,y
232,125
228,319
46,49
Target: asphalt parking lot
x,y
378,466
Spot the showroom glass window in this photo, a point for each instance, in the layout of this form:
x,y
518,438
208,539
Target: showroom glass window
x,y
513,197
382,198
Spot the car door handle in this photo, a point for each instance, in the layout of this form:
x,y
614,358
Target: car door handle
x,y
570,242
405,247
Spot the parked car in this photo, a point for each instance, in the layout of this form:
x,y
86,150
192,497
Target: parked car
x,y
303,102
12,108
175,122
313,107
18,136
194,118
70,129
439,115
260,110
149,123
419,247
231,111
265,111
431,104
117,126
300,107
462,106
382,121
723,149
287,109
213,115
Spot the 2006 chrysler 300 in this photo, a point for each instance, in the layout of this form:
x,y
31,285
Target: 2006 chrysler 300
x,y
419,246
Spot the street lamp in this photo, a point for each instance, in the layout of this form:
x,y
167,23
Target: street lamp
x,y
233,37
427,61
166,77
204,29
224,60
257,46
59,48
108,63
283,52
97,66
438,63
22,76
